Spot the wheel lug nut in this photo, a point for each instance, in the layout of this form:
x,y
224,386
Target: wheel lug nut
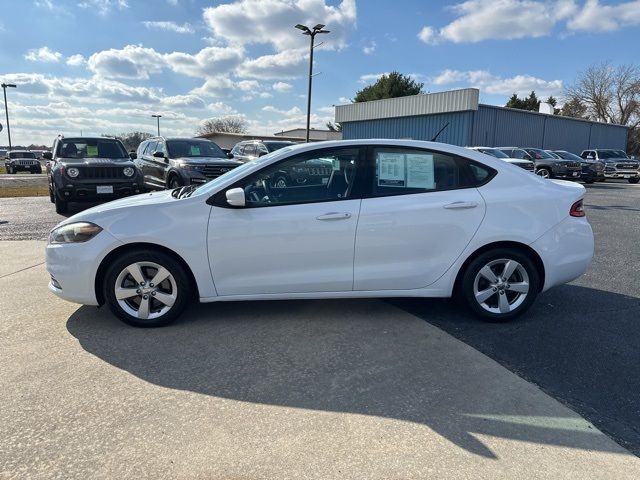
x,y
142,284
151,284
495,289
145,296
138,291
153,293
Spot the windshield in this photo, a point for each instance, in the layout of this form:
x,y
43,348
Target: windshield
x,y
91,148
237,172
22,155
568,156
611,154
538,154
273,146
194,148
494,152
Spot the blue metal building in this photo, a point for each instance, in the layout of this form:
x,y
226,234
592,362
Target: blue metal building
x,y
470,123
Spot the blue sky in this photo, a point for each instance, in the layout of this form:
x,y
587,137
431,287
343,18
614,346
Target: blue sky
x,y
104,66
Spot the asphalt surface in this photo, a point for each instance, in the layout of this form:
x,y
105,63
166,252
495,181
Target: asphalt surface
x,y
579,343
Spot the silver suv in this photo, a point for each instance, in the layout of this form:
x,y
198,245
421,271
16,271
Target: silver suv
x,y
616,163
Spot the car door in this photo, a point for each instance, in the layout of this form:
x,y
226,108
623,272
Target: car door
x,y
290,239
421,212
159,165
145,163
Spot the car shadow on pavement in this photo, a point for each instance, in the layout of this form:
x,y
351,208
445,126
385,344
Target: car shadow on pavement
x,y
354,356
580,345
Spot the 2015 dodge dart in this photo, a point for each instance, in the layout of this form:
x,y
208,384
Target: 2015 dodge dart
x,y
381,218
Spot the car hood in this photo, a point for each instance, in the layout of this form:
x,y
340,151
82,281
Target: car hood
x,y
145,199
208,161
517,160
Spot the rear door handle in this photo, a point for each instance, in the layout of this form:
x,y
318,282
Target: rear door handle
x,y
334,216
461,205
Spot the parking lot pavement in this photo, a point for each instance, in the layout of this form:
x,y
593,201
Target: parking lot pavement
x,y
299,389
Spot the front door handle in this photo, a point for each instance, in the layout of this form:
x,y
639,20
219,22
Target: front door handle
x,y
461,205
334,216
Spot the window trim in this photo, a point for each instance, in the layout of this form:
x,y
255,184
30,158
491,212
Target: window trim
x,y
219,199
371,167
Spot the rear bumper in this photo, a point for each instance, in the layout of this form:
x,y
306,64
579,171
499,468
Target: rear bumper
x,y
566,251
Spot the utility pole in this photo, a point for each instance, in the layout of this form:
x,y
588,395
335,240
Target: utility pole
x,y
6,108
157,117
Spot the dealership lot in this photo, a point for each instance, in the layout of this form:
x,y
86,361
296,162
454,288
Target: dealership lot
x,y
313,389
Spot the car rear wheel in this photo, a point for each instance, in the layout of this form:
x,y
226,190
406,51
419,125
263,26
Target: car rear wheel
x,y
146,288
634,180
499,285
543,172
51,197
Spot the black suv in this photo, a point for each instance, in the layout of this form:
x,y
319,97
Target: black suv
x,y
90,169
616,163
22,160
547,165
177,162
592,171
252,149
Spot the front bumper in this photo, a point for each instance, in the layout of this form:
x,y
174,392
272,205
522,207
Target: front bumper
x,y
24,168
568,174
73,267
566,251
88,191
625,174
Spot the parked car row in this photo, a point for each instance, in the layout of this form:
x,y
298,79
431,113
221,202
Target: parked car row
x,y
592,166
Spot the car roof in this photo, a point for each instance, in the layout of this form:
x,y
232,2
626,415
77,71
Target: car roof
x,y
89,138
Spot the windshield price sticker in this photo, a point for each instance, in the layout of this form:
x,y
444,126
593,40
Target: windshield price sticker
x,y
92,151
391,170
195,151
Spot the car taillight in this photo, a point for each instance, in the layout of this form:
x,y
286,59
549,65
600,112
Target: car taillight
x,y
577,209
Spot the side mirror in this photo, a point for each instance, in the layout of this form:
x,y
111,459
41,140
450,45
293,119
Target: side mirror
x,y
229,155
235,197
589,157
47,156
133,155
158,154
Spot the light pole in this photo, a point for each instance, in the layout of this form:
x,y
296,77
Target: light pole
x,y
312,32
157,117
6,108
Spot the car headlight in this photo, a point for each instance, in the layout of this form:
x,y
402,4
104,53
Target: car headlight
x,y
188,166
77,232
73,172
128,171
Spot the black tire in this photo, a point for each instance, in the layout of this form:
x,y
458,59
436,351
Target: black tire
x,y
51,197
62,206
634,180
10,171
544,172
175,268
466,286
174,182
589,182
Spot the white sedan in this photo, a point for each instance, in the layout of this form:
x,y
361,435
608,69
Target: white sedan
x,y
360,218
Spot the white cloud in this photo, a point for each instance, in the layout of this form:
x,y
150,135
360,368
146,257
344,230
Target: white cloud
x,y
479,20
47,4
272,21
169,27
76,60
595,17
210,61
371,77
282,87
283,65
220,108
496,85
292,112
103,7
183,101
370,48
133,61
215,87
43,54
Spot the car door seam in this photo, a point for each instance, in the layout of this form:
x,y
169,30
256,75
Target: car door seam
x,y
353,257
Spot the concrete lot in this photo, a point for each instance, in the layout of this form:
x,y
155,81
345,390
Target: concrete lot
x,y
341,389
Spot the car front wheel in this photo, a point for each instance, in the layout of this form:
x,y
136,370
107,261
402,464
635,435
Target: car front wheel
x,y
500,284
543,172
62,206
146,288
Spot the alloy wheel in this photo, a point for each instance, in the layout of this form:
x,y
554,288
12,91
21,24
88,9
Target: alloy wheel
x,y
544,173
145,290
501,286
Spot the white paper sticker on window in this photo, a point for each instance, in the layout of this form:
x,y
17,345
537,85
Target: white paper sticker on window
x,y
420,171
391,170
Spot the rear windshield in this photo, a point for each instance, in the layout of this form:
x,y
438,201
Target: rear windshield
x,y
494,152
91,148
22,155
194,148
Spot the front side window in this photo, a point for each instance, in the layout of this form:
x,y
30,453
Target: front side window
x,y
306,178
91,148
400,171
249,150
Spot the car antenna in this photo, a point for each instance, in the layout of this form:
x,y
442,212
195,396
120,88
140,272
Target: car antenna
x,y
439,132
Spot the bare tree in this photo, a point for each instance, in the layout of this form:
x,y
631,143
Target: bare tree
x,y
229,124
610,94
334,127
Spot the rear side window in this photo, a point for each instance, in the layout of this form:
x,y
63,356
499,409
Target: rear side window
x,y
400,171
249,149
